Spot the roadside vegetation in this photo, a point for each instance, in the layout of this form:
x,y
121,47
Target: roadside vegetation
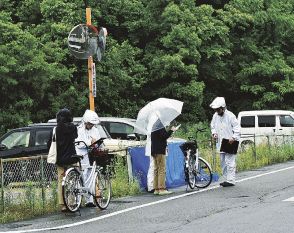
x,y
251,158
29,203
28,200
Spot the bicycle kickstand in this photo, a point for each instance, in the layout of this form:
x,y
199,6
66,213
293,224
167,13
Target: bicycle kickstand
x,y
186,187
79,212
71,214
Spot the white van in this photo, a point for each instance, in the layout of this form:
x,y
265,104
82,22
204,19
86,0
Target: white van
x,y
258,126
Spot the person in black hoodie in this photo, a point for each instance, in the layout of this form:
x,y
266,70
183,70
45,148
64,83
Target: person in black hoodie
x,y
66,132
158,149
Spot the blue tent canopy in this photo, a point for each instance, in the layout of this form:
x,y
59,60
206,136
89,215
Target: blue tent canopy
x,y
174,165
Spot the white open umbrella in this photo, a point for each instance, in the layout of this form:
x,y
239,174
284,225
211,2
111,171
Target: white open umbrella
x,y
166,110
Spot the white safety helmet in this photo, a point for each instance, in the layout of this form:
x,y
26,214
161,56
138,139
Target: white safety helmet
x,y
218,102
91,117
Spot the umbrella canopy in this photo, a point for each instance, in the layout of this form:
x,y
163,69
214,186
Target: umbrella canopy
x,y
161,112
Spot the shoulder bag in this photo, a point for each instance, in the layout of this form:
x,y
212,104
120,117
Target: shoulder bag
x,y
52,155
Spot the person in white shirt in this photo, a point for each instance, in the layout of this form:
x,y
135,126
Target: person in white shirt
x,y
224,125
88,133
150,175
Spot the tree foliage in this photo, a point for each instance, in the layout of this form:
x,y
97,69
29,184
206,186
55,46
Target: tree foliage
x,y
187,50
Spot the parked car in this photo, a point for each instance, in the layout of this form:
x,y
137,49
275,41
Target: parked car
x,y
256,126
118,128
122,128
29,141
25,141
122,132
32,141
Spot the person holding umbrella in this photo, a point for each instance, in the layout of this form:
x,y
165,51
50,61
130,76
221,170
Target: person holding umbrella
x,y
158,150
150,174
155,116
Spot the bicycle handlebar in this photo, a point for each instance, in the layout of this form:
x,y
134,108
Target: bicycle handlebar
x,y
79,142
200,130
98,142
197,131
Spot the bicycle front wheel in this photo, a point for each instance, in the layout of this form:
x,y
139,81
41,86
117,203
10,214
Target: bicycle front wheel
x,y
102,191
190,173
203,174
71,193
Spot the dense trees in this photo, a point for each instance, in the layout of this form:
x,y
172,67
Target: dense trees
x,y
187,50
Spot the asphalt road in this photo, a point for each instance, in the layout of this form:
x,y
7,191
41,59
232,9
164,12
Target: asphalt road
x,y
256,205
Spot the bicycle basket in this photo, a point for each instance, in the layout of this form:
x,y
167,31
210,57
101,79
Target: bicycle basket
x,y
189,145
101,156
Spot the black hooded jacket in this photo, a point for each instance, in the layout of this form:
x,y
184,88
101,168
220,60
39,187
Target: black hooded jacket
x,y
159,141
65,133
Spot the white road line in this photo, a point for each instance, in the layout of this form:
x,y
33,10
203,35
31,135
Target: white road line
x,y
144,205
289,199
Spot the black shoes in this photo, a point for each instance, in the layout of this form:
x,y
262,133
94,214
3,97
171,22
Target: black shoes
x,y
150,191
90,204
226,184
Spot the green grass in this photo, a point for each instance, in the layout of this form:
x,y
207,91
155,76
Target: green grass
x,y
252,159
264,155
121,186
25,203
30,198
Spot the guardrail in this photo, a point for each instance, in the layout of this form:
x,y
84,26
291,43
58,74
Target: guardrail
x,y
29,182
249,144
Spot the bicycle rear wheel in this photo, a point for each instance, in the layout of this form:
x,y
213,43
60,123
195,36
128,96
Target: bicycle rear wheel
x,y
203,174
71,193
102,190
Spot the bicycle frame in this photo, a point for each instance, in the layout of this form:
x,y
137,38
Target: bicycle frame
x,y
197,159
89,184
75,185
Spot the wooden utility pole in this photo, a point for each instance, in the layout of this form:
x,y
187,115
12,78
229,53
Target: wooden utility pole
x,y
90,66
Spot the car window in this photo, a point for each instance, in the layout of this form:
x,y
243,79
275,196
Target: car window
x,y
248,121
42,137
266,121
102,132
286,121
120,130
17,139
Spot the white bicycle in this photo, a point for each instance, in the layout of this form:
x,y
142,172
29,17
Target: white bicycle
x,y
98,184
197,170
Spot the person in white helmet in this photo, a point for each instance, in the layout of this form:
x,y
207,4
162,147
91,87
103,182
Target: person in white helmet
x,y
88,133
224,125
